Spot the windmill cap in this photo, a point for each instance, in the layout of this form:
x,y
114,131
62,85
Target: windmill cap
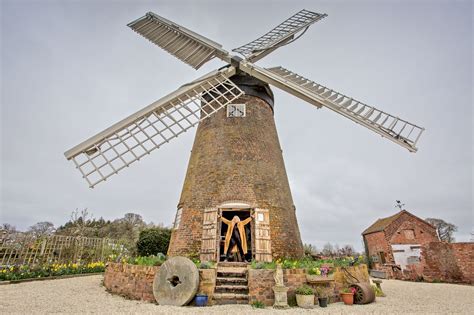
x,y
254,87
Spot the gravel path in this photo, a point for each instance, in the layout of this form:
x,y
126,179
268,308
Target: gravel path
x,y
87,295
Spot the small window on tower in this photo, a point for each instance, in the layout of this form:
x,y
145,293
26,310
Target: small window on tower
x,y
236,110
177,219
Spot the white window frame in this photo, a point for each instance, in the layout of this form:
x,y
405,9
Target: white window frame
x,y
177,219
241,107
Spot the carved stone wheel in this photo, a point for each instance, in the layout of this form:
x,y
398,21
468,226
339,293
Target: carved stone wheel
x,y
364,293
177,282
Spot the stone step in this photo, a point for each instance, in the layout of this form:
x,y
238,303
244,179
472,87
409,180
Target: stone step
x,y
229,280
226,274
232,264
230,298
237,289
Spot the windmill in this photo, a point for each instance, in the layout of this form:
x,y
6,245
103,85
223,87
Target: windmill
x,y
236,165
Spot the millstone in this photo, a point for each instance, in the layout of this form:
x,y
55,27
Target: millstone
x,y
177,282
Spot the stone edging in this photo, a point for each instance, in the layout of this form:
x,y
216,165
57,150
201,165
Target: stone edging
x,y
50,278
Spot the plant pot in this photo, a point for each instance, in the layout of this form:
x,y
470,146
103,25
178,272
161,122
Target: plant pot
x,y
323,302
347,298
305,301
201,300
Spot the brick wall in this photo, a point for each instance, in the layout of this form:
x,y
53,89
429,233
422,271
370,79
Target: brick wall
x,y
136,282
238,159
131,281
448,262
261,282
394,234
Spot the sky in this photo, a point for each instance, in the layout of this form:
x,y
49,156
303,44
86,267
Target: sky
x,y
69,69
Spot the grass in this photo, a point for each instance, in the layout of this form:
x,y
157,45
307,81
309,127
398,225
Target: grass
x,y
258,304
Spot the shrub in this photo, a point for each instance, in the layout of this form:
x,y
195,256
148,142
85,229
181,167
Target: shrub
x,y
151,260
153,241
205,265
258,304
304,290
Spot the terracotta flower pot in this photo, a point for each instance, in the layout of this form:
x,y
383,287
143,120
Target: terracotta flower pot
x,y
347,298
305,301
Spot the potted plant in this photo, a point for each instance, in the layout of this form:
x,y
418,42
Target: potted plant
x,y
304,296
320,274
347,295
323,296
201,299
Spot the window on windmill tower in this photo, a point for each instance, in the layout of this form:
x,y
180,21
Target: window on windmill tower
x,y
236,110
177,219
409,234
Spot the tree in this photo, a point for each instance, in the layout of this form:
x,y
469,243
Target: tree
x,y
444,229
347,250
310,249
153,241
42,229
328,250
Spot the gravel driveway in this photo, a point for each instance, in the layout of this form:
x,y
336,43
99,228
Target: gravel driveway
x,y
87,295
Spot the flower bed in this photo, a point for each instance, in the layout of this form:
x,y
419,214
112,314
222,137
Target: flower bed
x,y
49,270
309,263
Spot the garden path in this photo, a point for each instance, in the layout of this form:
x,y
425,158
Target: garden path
x,y
87,295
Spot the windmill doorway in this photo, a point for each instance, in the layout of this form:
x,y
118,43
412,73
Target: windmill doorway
x,y
234,254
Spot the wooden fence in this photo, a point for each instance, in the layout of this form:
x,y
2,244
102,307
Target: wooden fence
x,y
58,249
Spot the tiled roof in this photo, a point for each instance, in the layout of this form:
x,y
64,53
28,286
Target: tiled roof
x,y
382,223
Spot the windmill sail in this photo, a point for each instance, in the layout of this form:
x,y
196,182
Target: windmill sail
x,y
184,44
138,135
391,127
280,35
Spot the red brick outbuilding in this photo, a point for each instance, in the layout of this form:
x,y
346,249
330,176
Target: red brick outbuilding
x,y
396,241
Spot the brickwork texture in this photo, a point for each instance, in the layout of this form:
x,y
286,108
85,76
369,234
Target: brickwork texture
x,y
447,262
381,241
136,282
237,159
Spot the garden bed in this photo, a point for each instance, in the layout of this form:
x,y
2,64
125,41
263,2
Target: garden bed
x,y
14,274
50,278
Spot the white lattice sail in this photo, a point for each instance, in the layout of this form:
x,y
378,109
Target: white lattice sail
x,y
184,44
280,35
391,127
138,135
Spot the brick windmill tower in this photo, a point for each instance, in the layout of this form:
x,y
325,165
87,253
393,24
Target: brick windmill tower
x,y
236,166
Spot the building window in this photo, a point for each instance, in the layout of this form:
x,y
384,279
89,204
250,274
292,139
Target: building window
x,y
177,219
382,257
236,110
409,234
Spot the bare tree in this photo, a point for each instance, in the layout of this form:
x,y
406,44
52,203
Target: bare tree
x,y
41,229
7,232
347,250
328,250
310,250
444,229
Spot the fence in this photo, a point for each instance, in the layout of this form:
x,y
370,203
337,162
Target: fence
x,y
58,249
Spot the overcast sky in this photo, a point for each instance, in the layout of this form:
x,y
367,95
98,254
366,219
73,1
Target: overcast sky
x,y
69,69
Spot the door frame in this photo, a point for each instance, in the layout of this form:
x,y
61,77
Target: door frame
x,y
234,206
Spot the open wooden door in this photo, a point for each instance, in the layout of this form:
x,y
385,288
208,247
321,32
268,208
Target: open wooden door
x,y
263,246
209,235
